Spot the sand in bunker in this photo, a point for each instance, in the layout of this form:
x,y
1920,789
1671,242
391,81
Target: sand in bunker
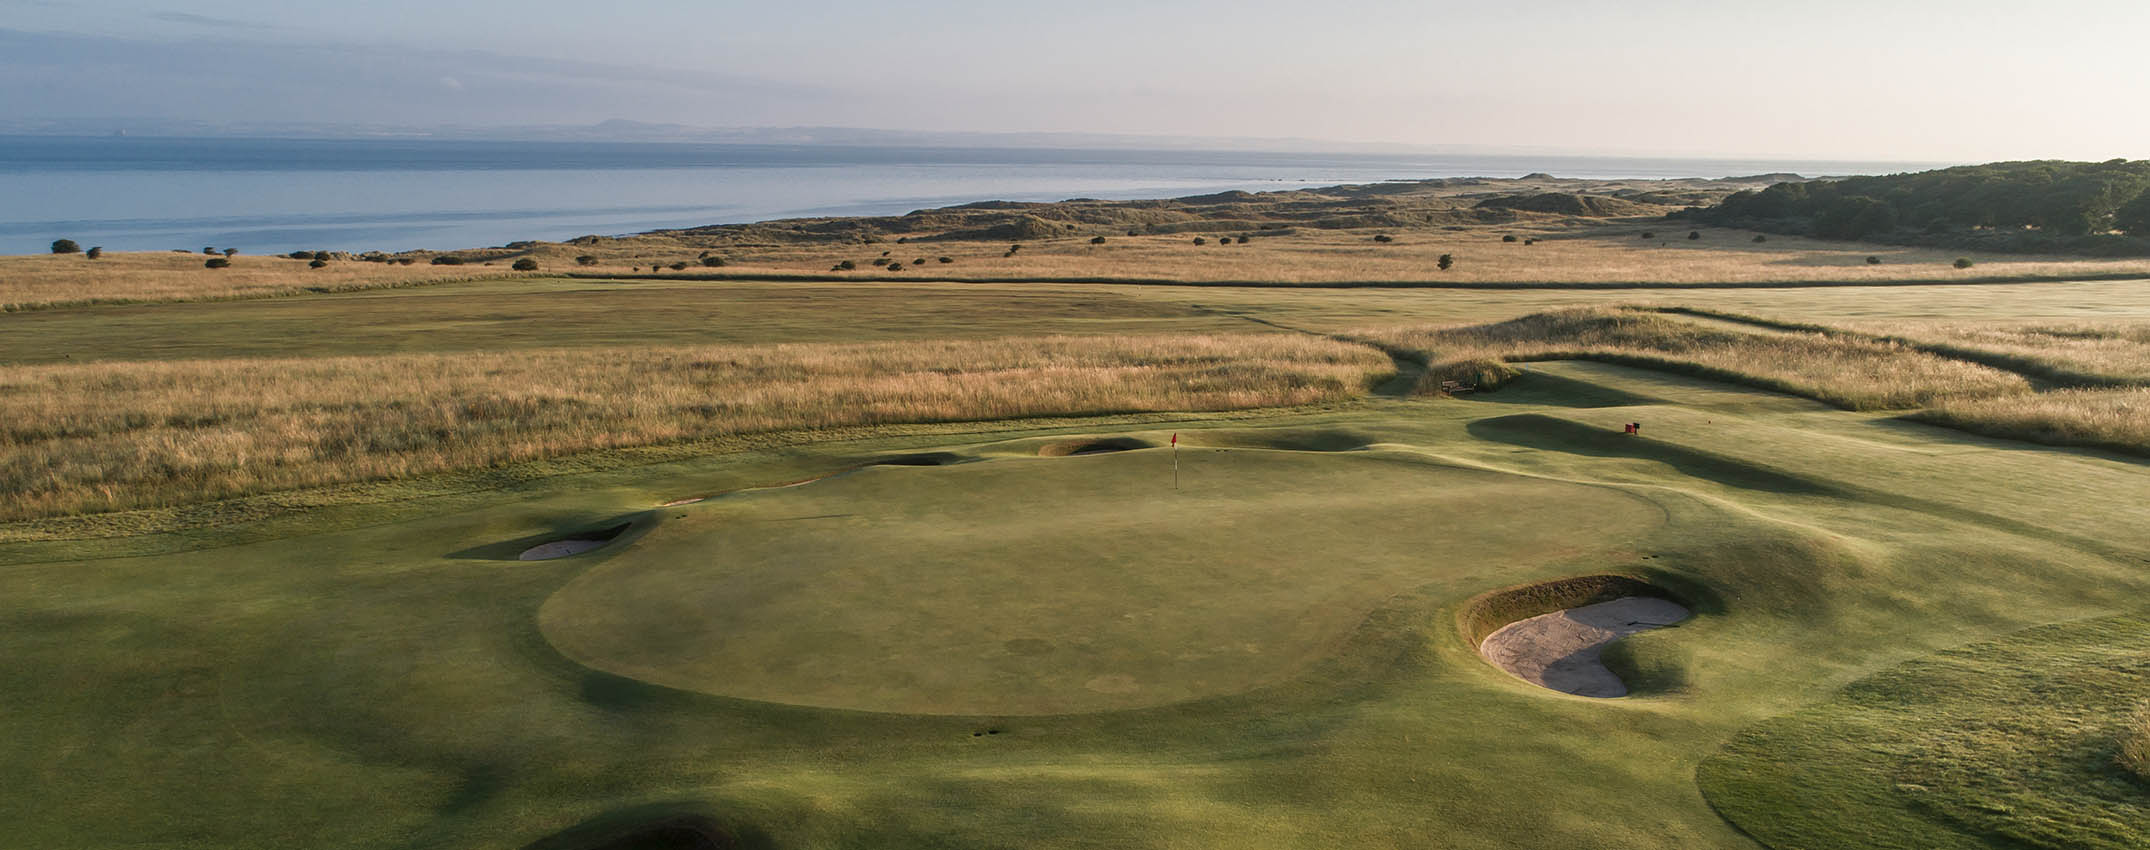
x,y
1561,650
561,549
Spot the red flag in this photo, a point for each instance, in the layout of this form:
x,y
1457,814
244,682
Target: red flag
x,y
1175,438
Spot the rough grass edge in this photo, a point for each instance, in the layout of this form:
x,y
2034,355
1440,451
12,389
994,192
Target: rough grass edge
x,y
786,277
288,292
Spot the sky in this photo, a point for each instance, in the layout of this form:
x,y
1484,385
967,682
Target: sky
x,y
1908,80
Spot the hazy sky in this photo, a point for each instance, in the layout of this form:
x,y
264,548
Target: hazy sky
x,y
1872,79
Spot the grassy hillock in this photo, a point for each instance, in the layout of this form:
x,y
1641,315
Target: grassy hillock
x,y
2096,208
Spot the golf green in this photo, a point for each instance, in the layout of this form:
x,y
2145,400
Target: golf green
x,y
1031,586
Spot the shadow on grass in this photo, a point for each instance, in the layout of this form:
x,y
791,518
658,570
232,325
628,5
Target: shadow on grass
x,y
662,826
512,550
1548,433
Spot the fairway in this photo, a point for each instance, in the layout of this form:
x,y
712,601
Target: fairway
x,y
1023,586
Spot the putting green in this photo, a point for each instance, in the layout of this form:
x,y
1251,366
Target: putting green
x,y
1032,586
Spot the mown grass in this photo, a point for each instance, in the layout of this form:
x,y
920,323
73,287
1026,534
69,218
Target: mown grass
x,y
2009,743
2135,743
1850,373
48,281
109,436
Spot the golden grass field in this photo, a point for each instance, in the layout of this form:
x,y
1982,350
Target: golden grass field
x,y
1566,252
40,281
1572,252
119,435
1852,373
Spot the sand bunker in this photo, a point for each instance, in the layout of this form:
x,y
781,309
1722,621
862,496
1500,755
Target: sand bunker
x,y
570,546
1561,650
1093,446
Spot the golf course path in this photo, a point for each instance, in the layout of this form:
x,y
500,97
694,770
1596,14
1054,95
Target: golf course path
x,y
1560,650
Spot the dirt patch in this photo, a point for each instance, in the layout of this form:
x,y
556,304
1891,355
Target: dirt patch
x,y
1561,650
1093,446
571,546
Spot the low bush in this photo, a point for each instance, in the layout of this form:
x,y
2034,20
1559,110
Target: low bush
x,y
217,263
317,264
1508,237
1200,241
231,252
585,260
1964,262
446,260
95,252
713,262
1097,240
1759,238
1383,237
679,267
65,246
1649,234
1873,261
1694,234
846,265
1446,261
948,259
522,265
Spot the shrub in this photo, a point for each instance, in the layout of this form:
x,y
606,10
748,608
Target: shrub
x,y
1446,261
1132,232
407,260
1014,248
919,262
301,255
95,252
1097,240
585,260
445,260
217,263
1759,238
522,265
208,249
323,255
903,240
65,246
1383,237
1530,241
895,267
1508,238
1649,235
1200,241
713,262
847,265
231,252
1964,262
679,267
948,259
1694,234
879,261
1242,240
317,264
1873,261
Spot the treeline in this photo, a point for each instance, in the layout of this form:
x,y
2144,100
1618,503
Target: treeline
x,y
2045,206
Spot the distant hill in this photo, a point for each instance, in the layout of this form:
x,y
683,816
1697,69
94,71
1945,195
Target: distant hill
x,y
2043,206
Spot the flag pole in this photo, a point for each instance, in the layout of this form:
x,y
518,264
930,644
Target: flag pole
x,y
1175,461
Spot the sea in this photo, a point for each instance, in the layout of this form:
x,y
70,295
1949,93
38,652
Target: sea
x,y
278,195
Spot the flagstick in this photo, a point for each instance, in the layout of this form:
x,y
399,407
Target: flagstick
x,y
1175,461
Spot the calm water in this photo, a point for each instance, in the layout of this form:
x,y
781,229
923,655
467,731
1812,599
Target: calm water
x,y
272,196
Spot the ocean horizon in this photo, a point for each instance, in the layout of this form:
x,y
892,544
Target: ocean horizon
x,y
279,195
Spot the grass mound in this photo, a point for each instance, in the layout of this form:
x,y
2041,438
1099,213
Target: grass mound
x,y
1283,439
1856,374
1019,587
1566,203
2021,742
